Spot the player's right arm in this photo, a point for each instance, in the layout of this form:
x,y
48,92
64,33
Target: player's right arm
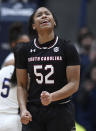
x,y
22,87
22,78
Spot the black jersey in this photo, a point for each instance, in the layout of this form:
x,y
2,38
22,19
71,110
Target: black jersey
x,y
46,65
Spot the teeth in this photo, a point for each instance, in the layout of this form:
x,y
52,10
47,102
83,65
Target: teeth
x,y
45,21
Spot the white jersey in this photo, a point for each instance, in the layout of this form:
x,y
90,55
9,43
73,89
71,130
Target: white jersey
x,y
8,93
9,117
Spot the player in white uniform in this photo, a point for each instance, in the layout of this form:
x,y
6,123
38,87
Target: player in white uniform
x,y
9,117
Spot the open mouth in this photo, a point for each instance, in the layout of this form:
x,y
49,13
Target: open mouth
x,y
44,22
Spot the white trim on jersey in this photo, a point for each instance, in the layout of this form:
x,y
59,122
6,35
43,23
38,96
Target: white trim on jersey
x,y
46,47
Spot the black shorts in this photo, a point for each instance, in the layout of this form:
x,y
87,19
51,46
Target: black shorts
x,y
56,117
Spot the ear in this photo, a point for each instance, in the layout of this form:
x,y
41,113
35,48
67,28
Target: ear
x,y
13,44
54,23
33,26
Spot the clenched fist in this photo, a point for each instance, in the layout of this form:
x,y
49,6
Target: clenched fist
x,y
26,117
46,98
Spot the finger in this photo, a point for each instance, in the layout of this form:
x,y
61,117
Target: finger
x,y
25,122
46,95
43,93
30,116
24,119
43,99
44,103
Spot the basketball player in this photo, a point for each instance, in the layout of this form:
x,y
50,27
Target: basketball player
x,y
9,117
54,69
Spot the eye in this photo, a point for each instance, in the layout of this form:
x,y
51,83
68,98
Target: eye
x,y
39,14
47,13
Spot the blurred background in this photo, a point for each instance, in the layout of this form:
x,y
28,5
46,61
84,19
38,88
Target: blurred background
x,y
76,22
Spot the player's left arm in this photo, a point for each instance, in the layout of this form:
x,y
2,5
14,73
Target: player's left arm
x,y
73,78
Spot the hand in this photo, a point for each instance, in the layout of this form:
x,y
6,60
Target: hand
x,y
46,98
26,117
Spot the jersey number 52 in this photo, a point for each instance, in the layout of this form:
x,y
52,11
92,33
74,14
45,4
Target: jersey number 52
x,y
39,76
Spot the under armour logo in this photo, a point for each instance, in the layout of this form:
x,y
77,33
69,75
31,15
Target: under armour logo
x,y
32,50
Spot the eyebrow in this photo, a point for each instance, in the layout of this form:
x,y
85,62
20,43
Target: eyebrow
x,y
47,11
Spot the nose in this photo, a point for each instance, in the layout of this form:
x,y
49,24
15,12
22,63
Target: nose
x,y
44,16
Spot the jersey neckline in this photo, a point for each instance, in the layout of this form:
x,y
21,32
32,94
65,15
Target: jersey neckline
x,y
46,45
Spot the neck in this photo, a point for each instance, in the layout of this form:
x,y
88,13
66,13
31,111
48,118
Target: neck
x,y
45,37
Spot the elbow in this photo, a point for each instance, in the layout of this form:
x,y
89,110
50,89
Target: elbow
x,y
76,87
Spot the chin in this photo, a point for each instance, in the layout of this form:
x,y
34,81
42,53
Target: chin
x,y
46,28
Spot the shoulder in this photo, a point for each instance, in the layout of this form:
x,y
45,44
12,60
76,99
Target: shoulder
x,y
66,44
9,57
22,47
